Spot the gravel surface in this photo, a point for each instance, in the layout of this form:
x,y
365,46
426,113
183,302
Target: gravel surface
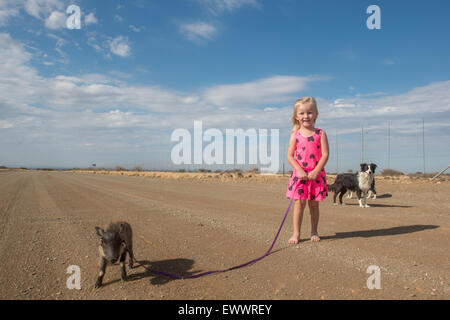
x,y
186,226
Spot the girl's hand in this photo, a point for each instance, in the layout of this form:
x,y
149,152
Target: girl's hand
x,y
313,175
302,175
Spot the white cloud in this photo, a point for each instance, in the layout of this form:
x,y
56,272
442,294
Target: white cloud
x,y
119,46
56,20
136,29
431,101
198,31
42,8
23,86
220,6
49,11
72,110
5,124
118,18
201,31
8,9
374,94
90,19
339,103
269,90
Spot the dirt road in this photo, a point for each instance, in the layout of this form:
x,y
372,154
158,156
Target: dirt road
x,y
47,222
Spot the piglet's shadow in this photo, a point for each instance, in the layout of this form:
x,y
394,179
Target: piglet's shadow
x,y
179,267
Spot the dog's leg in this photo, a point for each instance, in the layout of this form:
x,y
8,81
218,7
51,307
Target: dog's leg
x,y
336,191
373,190
365,200
342,192
358,195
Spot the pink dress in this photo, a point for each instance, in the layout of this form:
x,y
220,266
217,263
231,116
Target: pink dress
x,y
308,152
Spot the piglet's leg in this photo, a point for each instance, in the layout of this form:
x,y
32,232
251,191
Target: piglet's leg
x,y
122,266
99,281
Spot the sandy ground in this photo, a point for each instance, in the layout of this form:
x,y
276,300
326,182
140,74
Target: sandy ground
x,y
185,226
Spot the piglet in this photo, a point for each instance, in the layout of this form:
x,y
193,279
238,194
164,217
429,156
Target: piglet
x,y
113,243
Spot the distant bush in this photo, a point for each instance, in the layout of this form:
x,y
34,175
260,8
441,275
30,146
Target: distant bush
x,y
204,170
391,172
182,170
120,168
138,168
419,174
233,171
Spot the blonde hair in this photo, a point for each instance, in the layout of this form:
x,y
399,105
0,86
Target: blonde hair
x,y
305,100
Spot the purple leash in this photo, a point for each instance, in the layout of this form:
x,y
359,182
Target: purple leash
x,y
175,276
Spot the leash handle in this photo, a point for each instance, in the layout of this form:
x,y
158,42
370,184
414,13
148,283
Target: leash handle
x,y
175,276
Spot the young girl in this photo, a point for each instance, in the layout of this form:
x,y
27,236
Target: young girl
x,y
308,154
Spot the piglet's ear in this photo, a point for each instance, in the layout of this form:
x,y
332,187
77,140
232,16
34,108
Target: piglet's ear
x,y
99,231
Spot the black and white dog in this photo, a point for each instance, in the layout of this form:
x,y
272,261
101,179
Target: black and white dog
x,y
361,182
372,192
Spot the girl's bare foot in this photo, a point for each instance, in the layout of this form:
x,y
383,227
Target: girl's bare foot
x,y
294,239
315,238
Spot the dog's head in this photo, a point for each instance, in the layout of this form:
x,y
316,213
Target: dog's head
x,y
372,167
368,168
364,167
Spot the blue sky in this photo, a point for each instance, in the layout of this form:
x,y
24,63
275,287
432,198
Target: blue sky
x,y
112,92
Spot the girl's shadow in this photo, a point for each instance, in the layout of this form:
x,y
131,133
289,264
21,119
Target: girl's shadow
x,y
178,267
381,232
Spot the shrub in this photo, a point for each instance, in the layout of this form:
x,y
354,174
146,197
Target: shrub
x,y
391,172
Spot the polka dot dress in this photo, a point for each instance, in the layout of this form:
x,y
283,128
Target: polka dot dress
x,y
308,153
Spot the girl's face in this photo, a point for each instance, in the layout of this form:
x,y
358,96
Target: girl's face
x,y
306,115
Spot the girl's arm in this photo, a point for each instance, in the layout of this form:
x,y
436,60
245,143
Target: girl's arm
x,y
323,160
290,157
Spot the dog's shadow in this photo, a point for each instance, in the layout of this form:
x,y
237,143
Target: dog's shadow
x,y
178,267
379,205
